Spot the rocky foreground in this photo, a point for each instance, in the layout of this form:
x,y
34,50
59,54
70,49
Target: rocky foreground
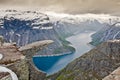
x,y
19,60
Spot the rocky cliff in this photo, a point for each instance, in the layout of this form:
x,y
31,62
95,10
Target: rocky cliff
x,y
94,65
19,60
109,32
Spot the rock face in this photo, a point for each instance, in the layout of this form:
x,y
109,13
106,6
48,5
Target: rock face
x,y
1,40
25,70
10,53
21,69
19,60
14,60
94,65
107,33
80,26
29,51
115,75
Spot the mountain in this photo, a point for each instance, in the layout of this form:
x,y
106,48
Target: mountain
x,y
109,32
83,21
28,27
93,65
24,27
21,26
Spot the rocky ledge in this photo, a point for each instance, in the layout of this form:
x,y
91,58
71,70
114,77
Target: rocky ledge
x,y
19,59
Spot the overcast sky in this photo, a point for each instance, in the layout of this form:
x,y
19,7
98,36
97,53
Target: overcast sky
x,y
67,6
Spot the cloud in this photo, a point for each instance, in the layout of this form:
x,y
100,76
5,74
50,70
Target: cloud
x,y
69,6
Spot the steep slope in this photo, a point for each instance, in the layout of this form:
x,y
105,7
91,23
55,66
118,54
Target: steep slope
x,y
24,27
107,33
94,65
76,27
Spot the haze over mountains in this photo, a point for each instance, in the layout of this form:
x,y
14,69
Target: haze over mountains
x,y
67,6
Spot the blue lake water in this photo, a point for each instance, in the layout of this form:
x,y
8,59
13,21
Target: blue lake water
x,y
52,64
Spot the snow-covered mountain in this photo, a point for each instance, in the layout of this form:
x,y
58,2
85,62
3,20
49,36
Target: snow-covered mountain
x,y
18,25
25,27
102,18
38,20
110,32
83,22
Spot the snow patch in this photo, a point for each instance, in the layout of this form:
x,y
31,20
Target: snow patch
x,y
102,18
46,28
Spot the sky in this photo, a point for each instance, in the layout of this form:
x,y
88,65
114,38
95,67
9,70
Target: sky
x,y
67,6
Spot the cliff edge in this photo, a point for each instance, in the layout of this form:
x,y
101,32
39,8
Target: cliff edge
x,y
19,60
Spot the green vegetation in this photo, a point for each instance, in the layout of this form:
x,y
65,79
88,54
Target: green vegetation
x,y
62,77
95,42
65,48
96,38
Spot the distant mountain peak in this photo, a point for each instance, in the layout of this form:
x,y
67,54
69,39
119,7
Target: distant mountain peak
x,y
102,18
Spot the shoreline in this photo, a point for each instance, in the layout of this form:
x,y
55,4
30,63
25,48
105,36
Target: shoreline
x,y
54,68
60,54
65,53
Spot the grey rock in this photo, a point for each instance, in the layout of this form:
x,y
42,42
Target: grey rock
x,y
109,32
94,65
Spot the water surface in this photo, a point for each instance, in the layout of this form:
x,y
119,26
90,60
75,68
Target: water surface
x,y
52,64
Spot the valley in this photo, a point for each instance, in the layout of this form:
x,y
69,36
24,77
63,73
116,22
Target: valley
x,y
52,64
69,55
